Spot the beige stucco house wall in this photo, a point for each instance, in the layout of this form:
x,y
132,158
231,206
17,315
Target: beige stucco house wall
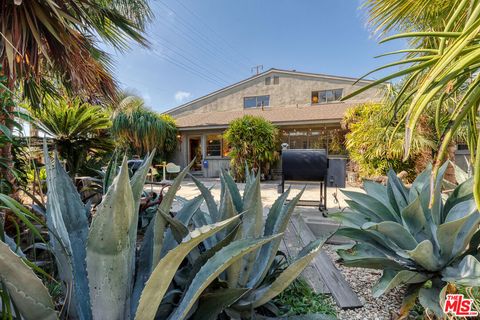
x,y
202,121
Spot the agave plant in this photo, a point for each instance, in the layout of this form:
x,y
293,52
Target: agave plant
x,y
245,283
414,244
100,265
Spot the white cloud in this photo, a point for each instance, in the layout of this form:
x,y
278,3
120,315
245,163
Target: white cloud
x,y
181,96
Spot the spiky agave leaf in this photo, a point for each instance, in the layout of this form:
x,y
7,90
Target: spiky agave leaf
x,y
213,268
109,252
26,290
263,295
426,241
165,270
67,220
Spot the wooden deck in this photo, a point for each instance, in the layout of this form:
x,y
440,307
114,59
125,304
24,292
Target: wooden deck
x,y
321,274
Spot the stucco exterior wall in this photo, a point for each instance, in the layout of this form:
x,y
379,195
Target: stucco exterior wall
x,y
293,90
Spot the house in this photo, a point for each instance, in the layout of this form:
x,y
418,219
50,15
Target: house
x,y
305,106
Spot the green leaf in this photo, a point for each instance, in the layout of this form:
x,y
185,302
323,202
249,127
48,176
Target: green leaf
x,y
391,279
397,193
165,206
466,273
6,132
165,270
145,264
209,200
68,226
462,192
376,190
448,234
27,291
234,192
419,183
426,256
212,304
377,240
409,300
109,251
369,214
422,34
252,225
373,205
415,220
277,221
430,298
365,255
350,219
265,294
213,268
395,232
110,172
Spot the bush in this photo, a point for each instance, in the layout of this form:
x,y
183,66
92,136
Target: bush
x,y
370,144
415,236
253,142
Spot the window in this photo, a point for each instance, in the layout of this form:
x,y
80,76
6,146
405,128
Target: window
x,y
214,145
331,139
325,96
276,79
268,81
255,102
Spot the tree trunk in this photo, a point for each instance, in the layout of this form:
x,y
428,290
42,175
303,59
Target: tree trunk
x,y
6,119
450,172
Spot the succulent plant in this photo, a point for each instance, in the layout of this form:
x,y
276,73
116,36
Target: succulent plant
x,y
245,282
421,246
191,265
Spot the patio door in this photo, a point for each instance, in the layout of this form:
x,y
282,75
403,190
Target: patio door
x,y
195,152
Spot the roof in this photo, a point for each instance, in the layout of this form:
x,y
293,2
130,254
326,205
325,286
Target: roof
x,y
269,71
322,113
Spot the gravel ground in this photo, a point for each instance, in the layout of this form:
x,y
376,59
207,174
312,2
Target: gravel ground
x,y
362,281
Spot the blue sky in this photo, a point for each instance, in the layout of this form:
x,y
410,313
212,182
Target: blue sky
x,y
199,46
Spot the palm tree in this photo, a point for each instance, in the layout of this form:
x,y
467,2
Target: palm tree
x,y
54,41
78,129
441,63
140,129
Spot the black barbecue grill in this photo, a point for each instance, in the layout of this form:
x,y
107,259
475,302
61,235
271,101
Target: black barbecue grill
x,y
306,165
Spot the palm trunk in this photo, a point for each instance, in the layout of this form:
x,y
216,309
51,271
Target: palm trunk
x,y
450,172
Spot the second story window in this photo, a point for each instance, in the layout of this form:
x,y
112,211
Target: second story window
x,y
268,81
276,79
325,96
256,102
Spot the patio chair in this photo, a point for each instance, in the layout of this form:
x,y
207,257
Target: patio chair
x,y
172,168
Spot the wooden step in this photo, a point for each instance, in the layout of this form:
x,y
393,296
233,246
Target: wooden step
x,y
322,274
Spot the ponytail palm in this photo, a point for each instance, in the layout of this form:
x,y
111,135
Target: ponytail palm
x,y
441,63
141,129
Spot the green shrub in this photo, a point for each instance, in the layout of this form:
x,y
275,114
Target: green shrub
x,y
418,241
371,146
253,142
